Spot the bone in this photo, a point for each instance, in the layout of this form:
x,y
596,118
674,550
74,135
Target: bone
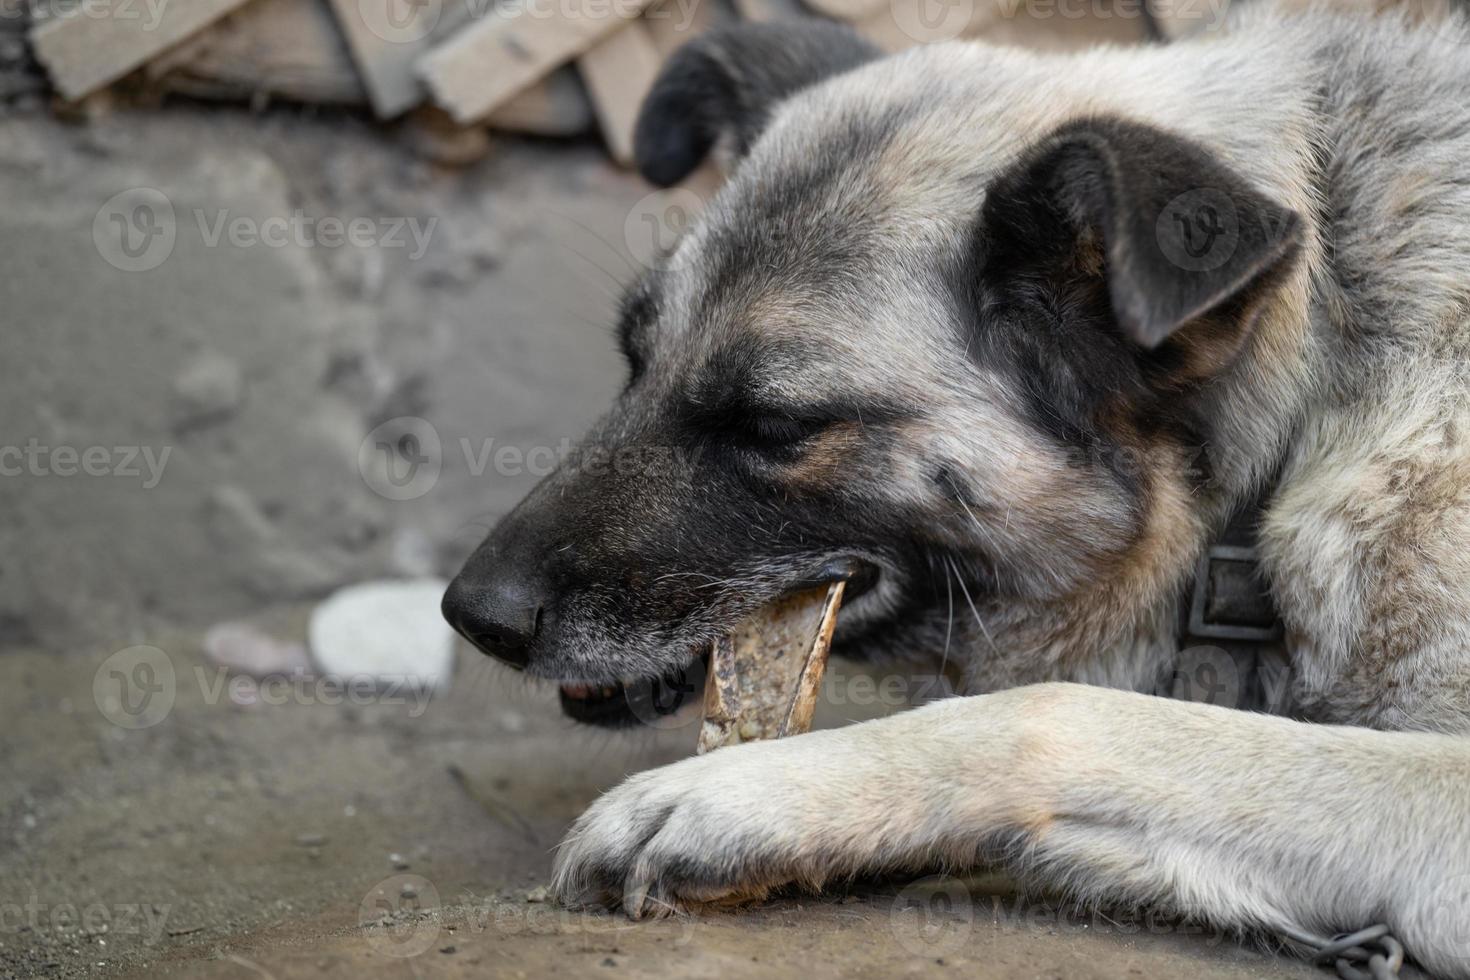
x,y
765,676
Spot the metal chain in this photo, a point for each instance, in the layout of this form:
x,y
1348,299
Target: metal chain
x,y
1373,946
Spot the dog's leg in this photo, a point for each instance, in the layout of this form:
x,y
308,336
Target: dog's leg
x,y
1244,820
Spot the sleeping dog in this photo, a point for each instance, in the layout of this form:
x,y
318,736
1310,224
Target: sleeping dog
x,y
1010,341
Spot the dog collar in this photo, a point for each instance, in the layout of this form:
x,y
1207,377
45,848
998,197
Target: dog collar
x,y
1230,635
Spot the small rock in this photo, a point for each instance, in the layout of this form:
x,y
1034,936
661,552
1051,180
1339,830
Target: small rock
x,y
310,840
390,631
539,894
446,949
247,650
208,390
399,862
609,961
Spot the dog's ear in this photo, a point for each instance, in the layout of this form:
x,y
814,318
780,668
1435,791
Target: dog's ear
x,y
1177,234
724,85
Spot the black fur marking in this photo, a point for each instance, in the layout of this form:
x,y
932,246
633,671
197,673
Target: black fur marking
x,y
1073,288
728,80
1182,234
637,310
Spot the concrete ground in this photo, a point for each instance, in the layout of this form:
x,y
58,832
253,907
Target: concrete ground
x,y
212,827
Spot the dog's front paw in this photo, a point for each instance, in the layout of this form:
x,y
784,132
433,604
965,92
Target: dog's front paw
x,y
728,826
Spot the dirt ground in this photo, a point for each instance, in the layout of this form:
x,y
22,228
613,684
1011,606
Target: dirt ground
x,y
233,830
253,832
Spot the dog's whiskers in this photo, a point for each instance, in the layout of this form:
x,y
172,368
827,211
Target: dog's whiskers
x,y
976,612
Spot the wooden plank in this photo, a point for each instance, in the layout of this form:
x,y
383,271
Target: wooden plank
x,y
619,70
387,37
849,10
555,106
491,61
286,48
83,52
672,22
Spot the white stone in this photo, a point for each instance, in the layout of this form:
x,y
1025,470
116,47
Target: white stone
x,y
391,631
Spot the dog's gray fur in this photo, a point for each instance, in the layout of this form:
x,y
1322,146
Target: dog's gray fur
x,y
825,268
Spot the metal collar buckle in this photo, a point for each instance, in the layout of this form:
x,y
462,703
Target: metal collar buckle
x,y
1229,601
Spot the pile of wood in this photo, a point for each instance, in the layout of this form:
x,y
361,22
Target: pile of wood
x,y
454,68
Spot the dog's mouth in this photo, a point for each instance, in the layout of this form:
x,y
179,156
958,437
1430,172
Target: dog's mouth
x,y
665,700
650,700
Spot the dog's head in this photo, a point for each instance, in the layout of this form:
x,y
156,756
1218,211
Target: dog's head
x,y
937,348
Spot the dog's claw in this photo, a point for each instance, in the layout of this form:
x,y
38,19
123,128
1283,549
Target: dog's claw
x,y
634,894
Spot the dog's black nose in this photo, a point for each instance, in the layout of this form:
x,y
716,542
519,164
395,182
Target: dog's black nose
x,y
498,614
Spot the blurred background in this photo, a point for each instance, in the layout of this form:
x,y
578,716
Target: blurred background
x,y
298,297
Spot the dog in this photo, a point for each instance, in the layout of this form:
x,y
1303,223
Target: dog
x,y
1007,340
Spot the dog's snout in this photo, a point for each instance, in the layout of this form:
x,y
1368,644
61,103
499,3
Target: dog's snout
x,y
499,614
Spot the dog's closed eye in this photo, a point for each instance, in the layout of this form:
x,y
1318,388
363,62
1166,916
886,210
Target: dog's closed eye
x,y
774,434
780,436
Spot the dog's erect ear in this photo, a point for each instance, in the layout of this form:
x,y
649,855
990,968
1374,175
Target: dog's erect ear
x,y
725,83
1180,235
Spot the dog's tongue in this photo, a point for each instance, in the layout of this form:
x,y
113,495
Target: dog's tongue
x,y
764,678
